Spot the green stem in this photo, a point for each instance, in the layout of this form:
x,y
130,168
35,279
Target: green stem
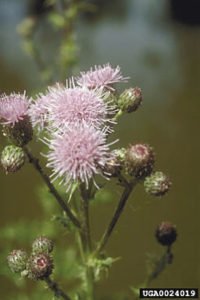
x,y
160,265
35,162
85,216
86,240
128,187
89,277
57,291
118,115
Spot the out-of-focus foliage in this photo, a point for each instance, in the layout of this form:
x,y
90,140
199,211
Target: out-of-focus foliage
x,y
55,23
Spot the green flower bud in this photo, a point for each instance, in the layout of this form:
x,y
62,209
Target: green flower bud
x,y
157,184
130,100
42,245
120,154
20,133
39,266
12,158
114,165
139,160
17,261
166,233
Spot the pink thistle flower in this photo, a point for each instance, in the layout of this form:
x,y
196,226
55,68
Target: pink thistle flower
x,y
67,106
38,112
13,108
101,76
77,154
39,109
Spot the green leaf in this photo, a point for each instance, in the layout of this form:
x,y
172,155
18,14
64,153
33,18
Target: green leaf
x,y
101,265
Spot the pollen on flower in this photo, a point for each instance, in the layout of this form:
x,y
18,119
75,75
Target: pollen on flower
x,y
13,108
77,154
101,76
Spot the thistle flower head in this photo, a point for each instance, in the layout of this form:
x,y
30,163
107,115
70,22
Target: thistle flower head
x,y
166,233
130,99
17,260
101,76
12,158
38,112
77,105
13,108
39,266
63,106
78,153
139,160
114,164
158,184
42,245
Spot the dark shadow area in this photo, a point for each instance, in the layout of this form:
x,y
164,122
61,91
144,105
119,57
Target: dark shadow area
x,y
39,7
186,12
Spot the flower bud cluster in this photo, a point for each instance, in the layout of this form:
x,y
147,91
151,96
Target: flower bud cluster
x,y
76,120
37,266
77,116
17,127
138,161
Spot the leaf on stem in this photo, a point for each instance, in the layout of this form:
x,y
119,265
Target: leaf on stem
x,y
101,266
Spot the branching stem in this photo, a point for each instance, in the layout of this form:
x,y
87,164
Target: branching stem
x,y
128,187
35,162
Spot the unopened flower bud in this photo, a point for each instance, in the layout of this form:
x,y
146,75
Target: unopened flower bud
x,y
166,233
157,184
12,158
20,133
114,165
120,154
39,266
130,100
17,261
42,245
139,160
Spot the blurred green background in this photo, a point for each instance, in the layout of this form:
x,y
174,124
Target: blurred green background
x,y
162,56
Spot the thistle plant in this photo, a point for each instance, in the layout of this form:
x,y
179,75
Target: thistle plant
x,y
75,123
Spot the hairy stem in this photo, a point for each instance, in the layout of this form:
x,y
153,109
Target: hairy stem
x,y
86,240
57,291
160,265
128,187
35,162
85,216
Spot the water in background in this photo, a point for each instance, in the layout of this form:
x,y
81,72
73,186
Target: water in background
x,y
162,57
